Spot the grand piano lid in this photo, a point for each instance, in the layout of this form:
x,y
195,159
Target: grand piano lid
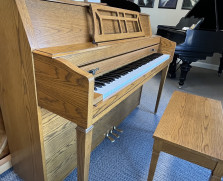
x,y
211,11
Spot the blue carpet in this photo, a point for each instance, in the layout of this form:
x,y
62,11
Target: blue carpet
x,y
128,158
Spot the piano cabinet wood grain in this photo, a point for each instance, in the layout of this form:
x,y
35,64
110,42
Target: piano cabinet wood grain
x,y
114,23
64,89
111,49
167,47
45,17
18,99
59,136
31,76
84,142
119,61
145,21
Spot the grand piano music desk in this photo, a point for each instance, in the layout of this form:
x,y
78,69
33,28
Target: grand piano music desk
x,y
58,59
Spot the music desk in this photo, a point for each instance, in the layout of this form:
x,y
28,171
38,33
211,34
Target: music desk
x,y
191,128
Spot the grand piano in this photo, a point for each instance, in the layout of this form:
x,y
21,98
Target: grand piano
x,y
199,42
70,73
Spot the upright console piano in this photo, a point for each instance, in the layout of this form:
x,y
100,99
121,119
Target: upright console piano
x,y
71,72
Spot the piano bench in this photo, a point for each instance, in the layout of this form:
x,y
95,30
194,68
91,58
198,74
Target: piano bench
x,y
191,128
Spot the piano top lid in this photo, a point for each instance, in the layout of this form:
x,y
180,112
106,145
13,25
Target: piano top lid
x,y
206,9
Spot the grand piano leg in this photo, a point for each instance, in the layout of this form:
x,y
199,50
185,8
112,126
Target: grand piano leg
x,y
185,68
84,140
221,66
162,81
173,67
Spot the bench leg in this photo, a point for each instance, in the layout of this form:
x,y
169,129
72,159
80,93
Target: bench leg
x,y
217,173
155,156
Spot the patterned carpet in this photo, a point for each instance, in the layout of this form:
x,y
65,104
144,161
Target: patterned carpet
x,y
128,158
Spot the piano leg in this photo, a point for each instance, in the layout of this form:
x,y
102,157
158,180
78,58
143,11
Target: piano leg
x,y
162,81
221,66
84,142
185,68
173,67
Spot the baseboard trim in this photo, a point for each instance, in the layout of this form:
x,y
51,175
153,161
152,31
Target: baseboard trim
x,y
205,65
5,164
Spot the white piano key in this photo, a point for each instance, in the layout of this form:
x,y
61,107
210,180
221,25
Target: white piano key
x,y
113,87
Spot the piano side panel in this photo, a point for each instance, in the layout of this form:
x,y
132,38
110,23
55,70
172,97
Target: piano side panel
x,y
64,89
57,24
18,99
167,47
60,136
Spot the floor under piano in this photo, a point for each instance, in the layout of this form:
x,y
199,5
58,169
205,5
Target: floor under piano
x,y
128,158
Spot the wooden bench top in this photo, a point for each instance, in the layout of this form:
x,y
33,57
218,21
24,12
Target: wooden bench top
x,y
194,123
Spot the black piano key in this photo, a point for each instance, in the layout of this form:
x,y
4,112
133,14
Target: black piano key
x,y
115,76
96,84
99,82
105,78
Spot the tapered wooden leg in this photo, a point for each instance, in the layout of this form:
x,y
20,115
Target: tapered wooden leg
x,y
84,141
217,173
155,156
162,81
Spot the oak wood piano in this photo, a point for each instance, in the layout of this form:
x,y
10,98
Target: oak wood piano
x,y
59,59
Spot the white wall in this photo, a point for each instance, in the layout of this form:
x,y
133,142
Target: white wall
x,y
160,16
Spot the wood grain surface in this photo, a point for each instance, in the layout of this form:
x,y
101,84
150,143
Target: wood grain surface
x,y
64,89
73,49
59,145
18,99
145,21
97,98
119,61
42,45
60,136
167,47
84,146
51,30
115,49
197,124
115,23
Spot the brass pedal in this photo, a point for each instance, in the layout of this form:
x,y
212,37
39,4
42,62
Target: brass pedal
x,y
114,134
116,129
110,138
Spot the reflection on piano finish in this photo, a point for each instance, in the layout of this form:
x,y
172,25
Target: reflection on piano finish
x,y
53,52
196,44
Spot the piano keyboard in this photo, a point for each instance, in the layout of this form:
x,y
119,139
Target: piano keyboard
x,y
112,82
